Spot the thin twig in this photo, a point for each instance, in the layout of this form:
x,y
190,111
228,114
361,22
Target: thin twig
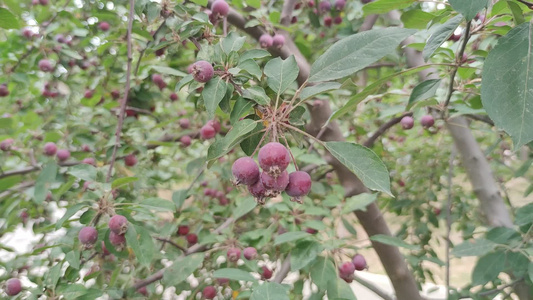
x,y
286,12
499,289
146,47
528,4
172,243
449,218
376,290
284,270
383,128
484,119
303,132
123,104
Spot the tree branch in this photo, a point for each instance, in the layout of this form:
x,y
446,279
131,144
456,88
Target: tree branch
x,y
172,243
284,270
286,12
375,289
383,128
124,102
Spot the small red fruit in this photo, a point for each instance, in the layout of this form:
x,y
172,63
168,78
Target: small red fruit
x,y
185,140
6,144
130,160
13,286
202,71
104,26
245,171
427,121
346,269
183,230
278,40
266,41
220,7
192,238
215,124
173,97
359,262
407,122
63,154
50,149
118,224
117,240
88,236
207,132
324,6
276,184
3,90
258,191
328,21
267,273
89,161
233,254
185,123
250,253
299,184
274,158
45,65
209,292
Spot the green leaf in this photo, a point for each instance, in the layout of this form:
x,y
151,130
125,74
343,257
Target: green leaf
x,y
356,52
224,144
416,19
516,10
364,163
270,291
304,253
441,35
168,71
476,247
233,274
69,213
213,92
423,91
323,271
257,94
249,144
488,268
181,268
8,20
71,53
289,237
251,67
73,258
470,8
241,108
524,215
178,197
340,289
246,206
530,271
158,204
141,243
281,73
349,226
384,6
42,184
254,53
10,181
83,171
503,235
122,181
393,241
507,96
358,202
320,88
232,42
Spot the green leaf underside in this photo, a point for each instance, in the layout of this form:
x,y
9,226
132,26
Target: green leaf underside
x,y
141,243
213,92
181,268
281,73
270,291
488,268
224,144
8,20
441,35
320,88
423,91
393,241
473,248
234,274
364,163
290,236
507,94
469,8
356,52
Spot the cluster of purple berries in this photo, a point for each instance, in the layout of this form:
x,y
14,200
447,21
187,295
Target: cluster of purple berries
x,y
274,159
347,269
118,225
267,41
408,122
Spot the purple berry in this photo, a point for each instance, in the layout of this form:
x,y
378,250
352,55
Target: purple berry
x,y
233,254
185,140
104,26
407,122
245,171
267,273
88,236
5,145
118,224
130,160
192,238
209,292
250,253
184,123
266,41
324,6
89,161
258,191
220,8
276,184
202,71
299,184
143,291
359,262
346,269
427,121
337,20
50,149
63,154
278,40
13,286
215,124
207,132
88,94
328,21
3,90
45,65
274,158
183,230
222,281
173,97
117,240
339,4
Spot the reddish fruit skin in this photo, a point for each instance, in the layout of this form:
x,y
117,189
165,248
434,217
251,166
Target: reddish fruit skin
x,y
202,71
117,240
324,6
27,33
339,4
173,97
215,124
185,123
233,254
63,154
222,281
89,161
5,145
115,94
278,40
250,253
427,121
50,149
45,65
183,230
299,184
346,271
337,20
104,26
366,1
88,94
118,224
105,252
245,171
267,273
3,90
311,231
85,148
359,262
143,291
88,236
185,140
157,79
407,122
13,286
257,190
209,292
328,21
277,184
130,160
192,238
207,132
273,158
266,41
220,7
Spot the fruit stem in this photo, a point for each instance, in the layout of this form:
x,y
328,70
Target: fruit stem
x,y
296,95
290,152
304,133
262,139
